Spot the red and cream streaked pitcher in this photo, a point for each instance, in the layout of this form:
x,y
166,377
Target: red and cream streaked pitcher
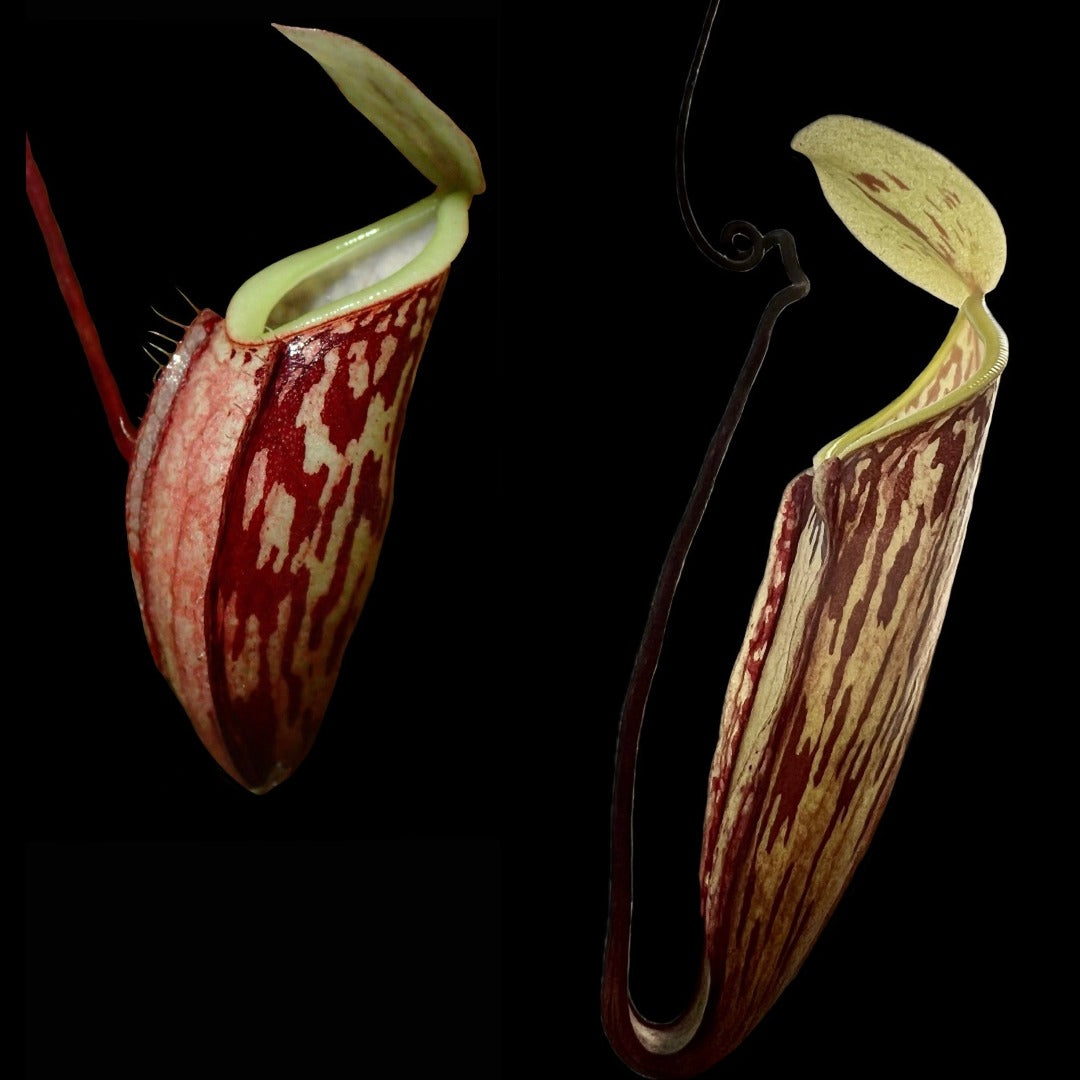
x,y
261,476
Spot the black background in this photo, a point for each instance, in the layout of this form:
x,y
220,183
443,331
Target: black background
x,y
581,357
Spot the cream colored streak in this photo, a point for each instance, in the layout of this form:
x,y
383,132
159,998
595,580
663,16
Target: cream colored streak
x,y
255,487
359,372
387,348
418,322
276,530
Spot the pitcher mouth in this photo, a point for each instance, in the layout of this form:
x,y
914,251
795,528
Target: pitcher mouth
x,y
972,356
351,272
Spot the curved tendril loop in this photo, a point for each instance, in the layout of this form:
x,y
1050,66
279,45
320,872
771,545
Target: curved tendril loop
x,y
741,245
742,248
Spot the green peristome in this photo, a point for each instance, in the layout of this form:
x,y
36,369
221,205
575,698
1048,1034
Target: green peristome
x,y
397,253
352,271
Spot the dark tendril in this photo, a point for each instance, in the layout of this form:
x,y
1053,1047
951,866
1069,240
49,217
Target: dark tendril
x,y
742,247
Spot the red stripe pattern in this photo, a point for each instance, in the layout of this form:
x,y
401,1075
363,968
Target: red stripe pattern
x,y
257,503
827,686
